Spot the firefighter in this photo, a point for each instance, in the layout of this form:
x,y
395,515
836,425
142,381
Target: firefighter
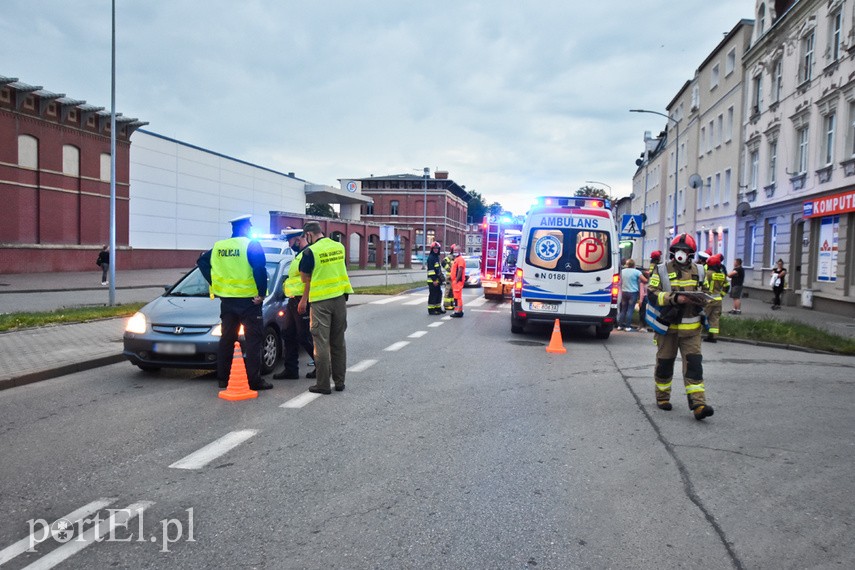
x,y
458,280
715,283
435,279
655,259
448,300
677,324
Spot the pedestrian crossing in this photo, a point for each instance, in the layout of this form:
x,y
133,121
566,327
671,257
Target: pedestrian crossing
x,y
471,299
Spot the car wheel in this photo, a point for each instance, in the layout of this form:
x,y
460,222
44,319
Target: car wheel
x,y
517,326
270,348
148,368
603,332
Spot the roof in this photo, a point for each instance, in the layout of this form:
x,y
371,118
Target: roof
x,y
450,185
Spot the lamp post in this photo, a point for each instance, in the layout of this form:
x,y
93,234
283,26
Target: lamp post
x,y
603,184
113,256
424,226
676,155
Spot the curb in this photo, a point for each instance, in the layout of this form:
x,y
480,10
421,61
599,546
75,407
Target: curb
x,y
793,347
33,377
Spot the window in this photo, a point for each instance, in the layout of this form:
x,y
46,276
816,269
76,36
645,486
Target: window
x,y
773,161
695,97
105,167
761,19
703,140
714,74
757,95
806,63
70,160
719,129
28,151
558,249
708,192
369,209
726,197
802,156
750,243
393,208
851,133
777,80
828,141
730,62
717,193
836,35
772,233
712,137
754,160
728,134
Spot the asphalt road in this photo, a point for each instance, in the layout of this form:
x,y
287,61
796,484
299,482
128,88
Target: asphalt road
x,y
467,447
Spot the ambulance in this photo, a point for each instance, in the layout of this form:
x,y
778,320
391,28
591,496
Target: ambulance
x,y
568,266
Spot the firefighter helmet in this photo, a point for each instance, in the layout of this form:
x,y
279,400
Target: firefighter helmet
x,y
714,260
435,245
684,242
656,255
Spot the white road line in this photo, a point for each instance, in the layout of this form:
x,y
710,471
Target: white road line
x,y
477,302
418,334
24,544
118,518
397,346
199,459
362,365
415,302
446,318
300,400
387,300
487,311
434,325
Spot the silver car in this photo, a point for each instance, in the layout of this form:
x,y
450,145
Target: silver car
x,y
181,328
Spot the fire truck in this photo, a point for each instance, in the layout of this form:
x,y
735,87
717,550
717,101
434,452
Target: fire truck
x,y
499,249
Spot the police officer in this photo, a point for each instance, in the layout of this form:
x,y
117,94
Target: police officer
x,y
673,290
326,286
295,333
448,300
235,268
715,283
435,279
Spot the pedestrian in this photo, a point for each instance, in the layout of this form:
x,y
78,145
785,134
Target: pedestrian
x,y
448,300
715,283
235,269
655,259
104,263
777,282
674,293
630,280
435,279
737,278
458,280
326,287
295,332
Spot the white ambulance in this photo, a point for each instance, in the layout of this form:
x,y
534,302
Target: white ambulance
x,y
568,266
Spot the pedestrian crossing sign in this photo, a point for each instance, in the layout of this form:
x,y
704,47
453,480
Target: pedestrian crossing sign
x,y
631,226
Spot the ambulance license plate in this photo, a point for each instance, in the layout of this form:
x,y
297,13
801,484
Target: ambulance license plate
x,y
543,306
174,348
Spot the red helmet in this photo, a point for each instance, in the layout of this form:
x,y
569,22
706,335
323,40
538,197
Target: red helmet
x,y
436,244
714,260
656,255
684,242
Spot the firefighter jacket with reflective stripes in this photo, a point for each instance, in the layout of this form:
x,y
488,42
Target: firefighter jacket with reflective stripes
x,y
434,269
231,274
715,283
446,264
329,278
663,309
293,286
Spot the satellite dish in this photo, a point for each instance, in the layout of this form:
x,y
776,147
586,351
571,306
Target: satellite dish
x,y
695,181
638,162
632,196
743,209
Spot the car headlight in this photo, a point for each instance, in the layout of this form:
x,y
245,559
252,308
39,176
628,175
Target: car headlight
x,y
217,330
136,324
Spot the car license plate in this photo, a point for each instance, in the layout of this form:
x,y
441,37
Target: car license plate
x,y
174,348
543,306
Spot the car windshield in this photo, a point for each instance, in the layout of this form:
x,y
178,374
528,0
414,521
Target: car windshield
x,y
473,264
194,285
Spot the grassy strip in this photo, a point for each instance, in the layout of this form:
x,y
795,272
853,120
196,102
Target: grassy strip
x,y
387,289
785,332
12,321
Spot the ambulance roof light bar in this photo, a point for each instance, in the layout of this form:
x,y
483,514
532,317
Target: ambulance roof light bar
x,y
574,202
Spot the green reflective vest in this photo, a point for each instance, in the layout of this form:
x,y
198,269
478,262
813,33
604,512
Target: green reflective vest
x,y
231,274
329,278
293,286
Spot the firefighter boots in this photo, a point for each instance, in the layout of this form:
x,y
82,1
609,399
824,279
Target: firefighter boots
x,y
664,405
703,411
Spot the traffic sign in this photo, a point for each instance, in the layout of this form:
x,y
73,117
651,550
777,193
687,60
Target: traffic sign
x,y
631,226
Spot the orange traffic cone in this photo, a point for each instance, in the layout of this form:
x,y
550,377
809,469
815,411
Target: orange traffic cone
x,y
238,388
556,345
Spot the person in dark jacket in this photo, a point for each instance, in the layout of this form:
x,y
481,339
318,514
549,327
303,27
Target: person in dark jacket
x,y
104,263
435,279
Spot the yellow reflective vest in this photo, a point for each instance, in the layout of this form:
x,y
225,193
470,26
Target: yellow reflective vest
x,y
293,285
231,274
329,278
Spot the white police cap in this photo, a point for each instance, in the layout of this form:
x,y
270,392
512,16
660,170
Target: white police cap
x,y
244,217
288,233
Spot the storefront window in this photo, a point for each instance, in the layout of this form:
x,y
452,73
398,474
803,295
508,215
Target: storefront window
x,y
826,270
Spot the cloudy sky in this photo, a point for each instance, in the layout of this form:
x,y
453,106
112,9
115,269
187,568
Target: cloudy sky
x,y
515,99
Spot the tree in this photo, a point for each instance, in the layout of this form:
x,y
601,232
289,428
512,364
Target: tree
x,y
323,210
476,208
496,209
592,192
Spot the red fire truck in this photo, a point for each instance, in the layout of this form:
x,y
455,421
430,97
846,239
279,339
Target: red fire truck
x,y
499,248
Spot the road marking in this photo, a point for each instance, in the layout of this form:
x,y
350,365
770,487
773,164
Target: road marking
x,y
487,311
118,518
24,544
387,300
446,318
300,400
418,334
478,302
418,301
362,365
213,450
397,346
434,325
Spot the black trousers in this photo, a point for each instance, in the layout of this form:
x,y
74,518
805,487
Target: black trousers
x,y
777,292
295,335
233,314
434,296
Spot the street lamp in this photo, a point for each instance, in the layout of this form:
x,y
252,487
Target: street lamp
x,y
676,155
602,183
424,226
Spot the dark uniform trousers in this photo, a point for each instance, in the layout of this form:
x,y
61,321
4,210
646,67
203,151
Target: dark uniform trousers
x,y
693,372
233,313
434,295
296,334
328,323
